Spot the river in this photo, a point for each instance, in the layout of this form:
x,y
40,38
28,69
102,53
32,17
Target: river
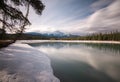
x,y
83,62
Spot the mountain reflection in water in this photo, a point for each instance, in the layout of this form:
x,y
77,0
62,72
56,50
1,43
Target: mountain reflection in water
x,y
83,62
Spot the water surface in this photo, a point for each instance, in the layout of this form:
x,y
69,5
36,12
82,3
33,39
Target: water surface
x,y
83,62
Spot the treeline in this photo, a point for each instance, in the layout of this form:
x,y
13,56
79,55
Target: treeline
x,y
115,36
24,37
112,36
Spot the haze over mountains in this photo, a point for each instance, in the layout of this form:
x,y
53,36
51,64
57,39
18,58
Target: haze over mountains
x,y
50,34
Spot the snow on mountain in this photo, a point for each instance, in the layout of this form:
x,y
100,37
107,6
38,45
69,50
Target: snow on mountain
x,y
49,34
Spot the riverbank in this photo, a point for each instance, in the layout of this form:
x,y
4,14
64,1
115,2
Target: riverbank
x,y
5,43
23,63
78,41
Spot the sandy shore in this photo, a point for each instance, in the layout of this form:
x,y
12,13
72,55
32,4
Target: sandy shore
x,y
78,41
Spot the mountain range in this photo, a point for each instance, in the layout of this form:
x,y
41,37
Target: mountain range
x,y
52,34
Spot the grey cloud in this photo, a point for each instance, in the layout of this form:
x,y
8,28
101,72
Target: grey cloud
x,y
106,19
100,4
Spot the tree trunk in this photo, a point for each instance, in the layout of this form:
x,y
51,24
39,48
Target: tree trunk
x,y
3,29
23,27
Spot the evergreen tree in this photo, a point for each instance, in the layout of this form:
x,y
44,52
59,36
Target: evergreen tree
x,y
12,18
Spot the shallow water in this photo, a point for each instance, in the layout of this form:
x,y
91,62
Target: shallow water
x,y
22,63
83,62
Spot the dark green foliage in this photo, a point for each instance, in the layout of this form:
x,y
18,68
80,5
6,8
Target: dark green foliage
x,y
25,37
36,4
115,36
12,18
2,34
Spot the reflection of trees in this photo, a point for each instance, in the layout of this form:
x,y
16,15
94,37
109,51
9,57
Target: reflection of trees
x,y
105,47
56,45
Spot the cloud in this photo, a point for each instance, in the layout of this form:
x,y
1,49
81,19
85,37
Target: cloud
x,y
100,4
105,17
58,15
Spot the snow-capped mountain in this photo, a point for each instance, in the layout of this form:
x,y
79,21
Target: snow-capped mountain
x,y
57,33
50,34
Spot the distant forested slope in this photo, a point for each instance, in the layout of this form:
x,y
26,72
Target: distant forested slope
x,y
115,36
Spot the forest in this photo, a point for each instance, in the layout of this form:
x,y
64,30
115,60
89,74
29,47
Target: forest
x,y
111,36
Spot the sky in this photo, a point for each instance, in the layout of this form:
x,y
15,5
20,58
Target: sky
x,y
76,16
